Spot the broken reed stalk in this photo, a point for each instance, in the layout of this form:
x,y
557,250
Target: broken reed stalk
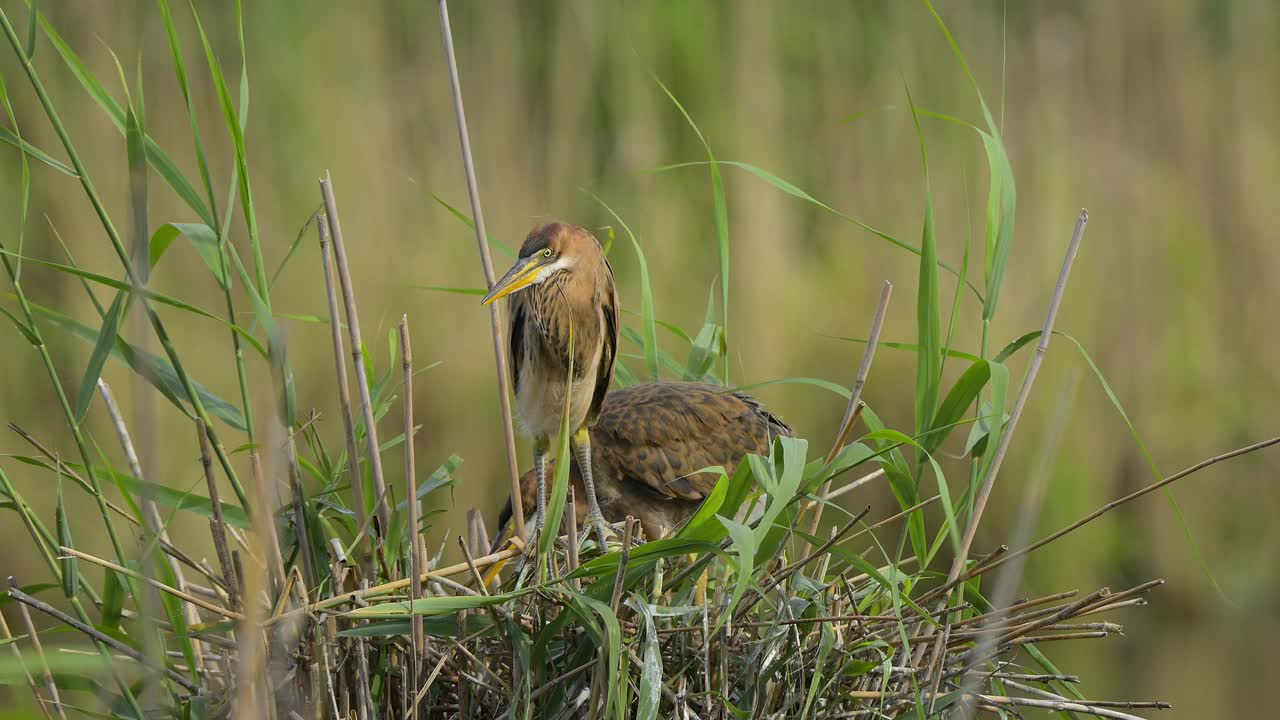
x,y
411,496
1032,502
357,353
344,393
854,408
486,262
984,492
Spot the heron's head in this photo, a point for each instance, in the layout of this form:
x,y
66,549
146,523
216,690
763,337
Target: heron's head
x,y
549,249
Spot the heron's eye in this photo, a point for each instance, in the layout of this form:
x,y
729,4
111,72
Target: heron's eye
x,y
546,253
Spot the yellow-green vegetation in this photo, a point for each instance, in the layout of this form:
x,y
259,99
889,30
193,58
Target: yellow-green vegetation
x,y
232,521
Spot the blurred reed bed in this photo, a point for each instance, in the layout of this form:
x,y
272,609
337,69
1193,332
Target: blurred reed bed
x,y
770,89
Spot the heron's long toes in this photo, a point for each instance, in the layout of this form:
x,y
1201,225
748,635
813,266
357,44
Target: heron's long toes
x,y
602,530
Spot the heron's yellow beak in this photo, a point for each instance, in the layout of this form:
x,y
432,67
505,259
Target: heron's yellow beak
x,y
521,275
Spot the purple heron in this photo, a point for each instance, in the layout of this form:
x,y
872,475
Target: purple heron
x,y
561,283
650,443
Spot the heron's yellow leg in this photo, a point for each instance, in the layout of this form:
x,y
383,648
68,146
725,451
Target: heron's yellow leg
x,y
700,587
595,518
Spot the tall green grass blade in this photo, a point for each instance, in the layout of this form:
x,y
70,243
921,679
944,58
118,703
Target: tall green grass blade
x,y
958,400
466,220
69,571
162,495
650,693
1001,203
101,349
944,493
614,685
117,285
236,130
744,553
203,239
646,296
478,292
180,70
836,388
34,14
796,192
901,482
1002,197
154,369
24,177
112,600
721,214
908,347
27,149
928,321
22,328
1151,464
959,293
994,416
164,166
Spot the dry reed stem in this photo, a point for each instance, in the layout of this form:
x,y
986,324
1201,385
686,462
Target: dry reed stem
x,y
45,673
26,672
486,262
344,393
389,587
26,600
984,491
854,485
357,352
986,567
218,524
186,597
411,496
264,524
1028,514
150,511
854,408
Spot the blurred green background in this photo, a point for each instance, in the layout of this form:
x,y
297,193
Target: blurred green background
x,y
1159,117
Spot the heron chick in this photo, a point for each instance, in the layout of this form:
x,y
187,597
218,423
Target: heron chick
x,y
652,445
561,284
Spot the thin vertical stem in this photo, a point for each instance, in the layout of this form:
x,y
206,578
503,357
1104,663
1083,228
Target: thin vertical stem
x,y
217,524
411,495
344,393
357,353
26,672
984,493
44,663
854,408
265,522
486,262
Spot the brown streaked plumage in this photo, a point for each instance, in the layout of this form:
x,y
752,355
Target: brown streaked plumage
x,y
649,443
561,281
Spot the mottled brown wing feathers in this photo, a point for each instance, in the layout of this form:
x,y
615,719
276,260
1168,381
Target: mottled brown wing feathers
x,y
609,344
660,435
515,337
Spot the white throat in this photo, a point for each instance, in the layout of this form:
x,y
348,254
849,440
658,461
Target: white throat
x,y
546,271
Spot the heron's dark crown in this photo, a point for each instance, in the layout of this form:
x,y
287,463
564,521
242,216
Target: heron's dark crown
x,y
560,237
